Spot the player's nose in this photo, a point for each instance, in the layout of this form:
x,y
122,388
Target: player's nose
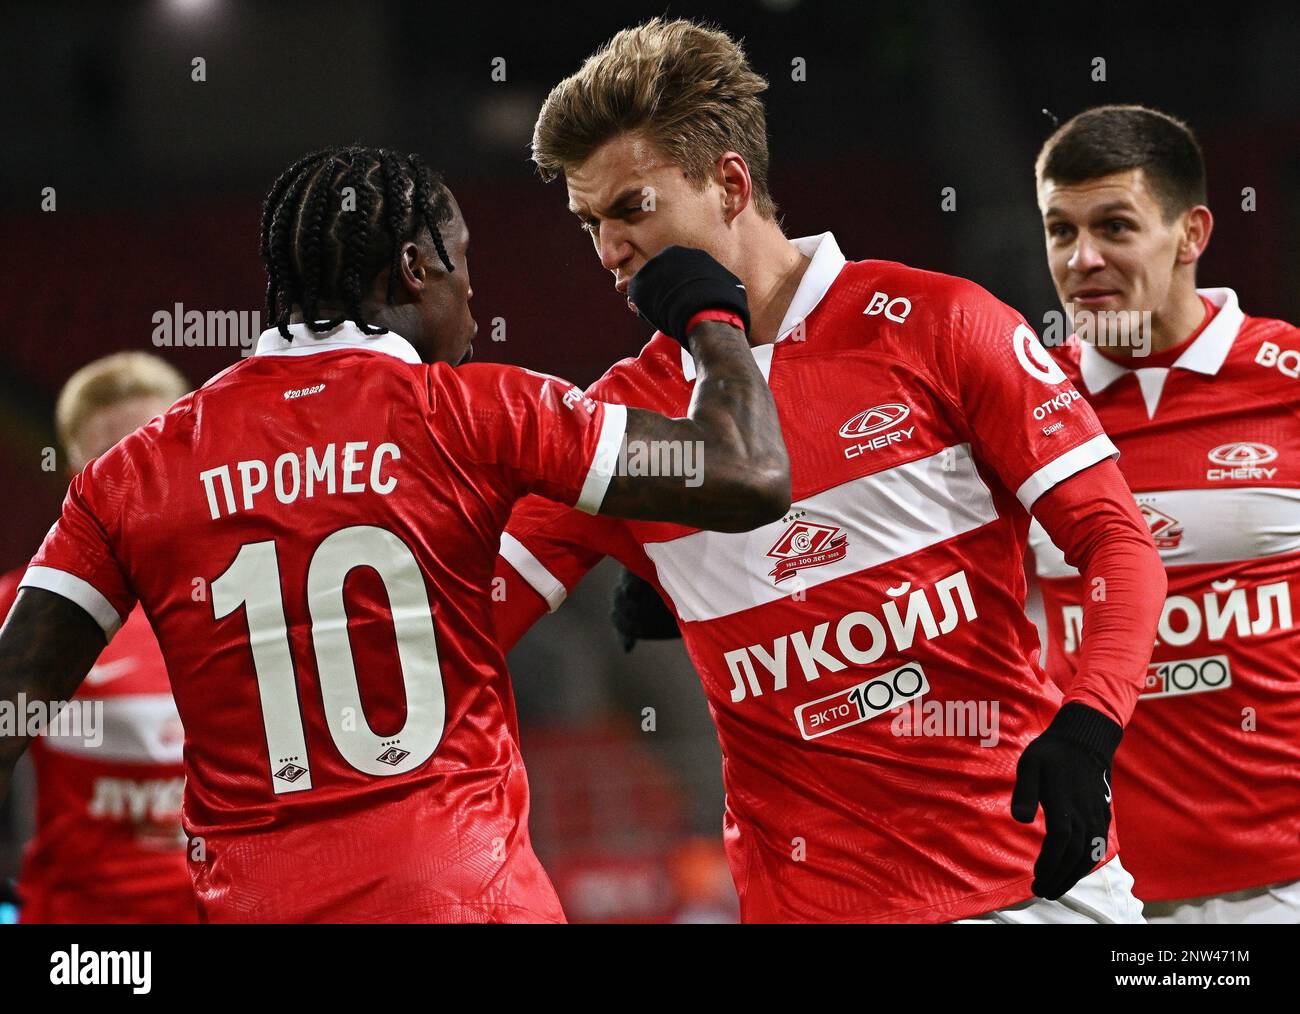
x,y
614,247
1086,256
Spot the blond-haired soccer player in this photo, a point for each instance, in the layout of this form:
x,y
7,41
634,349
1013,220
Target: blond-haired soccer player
x,y
1204,402
108,845
912,404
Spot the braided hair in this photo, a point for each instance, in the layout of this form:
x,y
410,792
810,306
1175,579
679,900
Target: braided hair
x,y
316,251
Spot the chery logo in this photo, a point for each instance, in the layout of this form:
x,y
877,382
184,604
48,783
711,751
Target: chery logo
x,y
1233,455
1241,460
873,420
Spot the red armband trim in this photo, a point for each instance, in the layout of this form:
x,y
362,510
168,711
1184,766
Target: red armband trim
x,y
725,316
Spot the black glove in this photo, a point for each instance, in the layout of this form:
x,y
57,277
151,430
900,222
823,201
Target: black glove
x,y
1067,769
639,613
677,283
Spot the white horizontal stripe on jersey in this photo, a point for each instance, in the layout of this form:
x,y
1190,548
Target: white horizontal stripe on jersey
x,y
1061,468
604,463
531,569
1232,525
75,590
886,515
137,729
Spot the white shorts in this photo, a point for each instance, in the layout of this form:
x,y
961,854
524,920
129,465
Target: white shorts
x,y
1104,896
1276,903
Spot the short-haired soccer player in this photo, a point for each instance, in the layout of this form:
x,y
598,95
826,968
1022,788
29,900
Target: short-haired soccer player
x,y
312,534
910,403
108,844
1204,403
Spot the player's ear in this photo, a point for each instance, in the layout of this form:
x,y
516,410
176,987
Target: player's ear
x,y
732,174
414,271
71,455
1197,227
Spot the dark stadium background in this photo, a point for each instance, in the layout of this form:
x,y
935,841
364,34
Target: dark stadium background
x,y
158,182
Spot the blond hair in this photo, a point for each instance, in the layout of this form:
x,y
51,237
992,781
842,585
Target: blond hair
x,y
114,379
686,87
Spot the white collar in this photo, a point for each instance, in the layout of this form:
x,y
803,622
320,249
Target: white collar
x,y
346,336
827,263
1205,355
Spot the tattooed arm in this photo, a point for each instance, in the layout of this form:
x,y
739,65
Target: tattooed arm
x,y
744,478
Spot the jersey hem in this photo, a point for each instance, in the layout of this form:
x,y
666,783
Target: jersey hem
x,y
1253,880
984,903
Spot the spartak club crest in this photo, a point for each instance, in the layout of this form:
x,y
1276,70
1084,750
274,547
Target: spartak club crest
x,y
806,544
1165,530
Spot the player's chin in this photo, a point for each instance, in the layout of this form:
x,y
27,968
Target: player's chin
x,y
468,353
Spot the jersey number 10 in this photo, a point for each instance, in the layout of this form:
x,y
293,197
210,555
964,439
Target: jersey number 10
x,y
253,581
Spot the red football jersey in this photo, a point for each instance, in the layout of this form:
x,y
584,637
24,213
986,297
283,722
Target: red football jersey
x,y
108,845
312,535
867,659
1207,780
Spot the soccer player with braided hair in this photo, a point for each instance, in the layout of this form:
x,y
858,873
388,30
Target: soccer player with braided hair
x,y
312,534
294,218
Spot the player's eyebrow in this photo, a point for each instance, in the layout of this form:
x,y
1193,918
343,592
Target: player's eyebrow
x,y
630,193
1105,209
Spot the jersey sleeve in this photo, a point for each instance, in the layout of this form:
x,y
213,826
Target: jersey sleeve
x,y
545,551
549,547
558,442
1093,517
1027,421
552,547
77,558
